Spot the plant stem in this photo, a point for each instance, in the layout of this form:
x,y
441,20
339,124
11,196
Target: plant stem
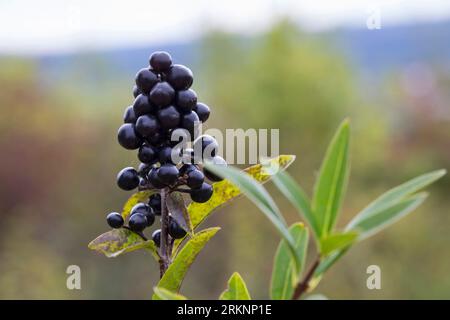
x,y
303,285
165,246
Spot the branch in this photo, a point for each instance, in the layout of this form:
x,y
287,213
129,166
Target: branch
x,y
303,285
165,246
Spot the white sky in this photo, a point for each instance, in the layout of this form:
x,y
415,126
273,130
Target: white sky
x,y
51,26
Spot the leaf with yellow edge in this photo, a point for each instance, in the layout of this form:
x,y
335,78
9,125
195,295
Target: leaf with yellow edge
x,y
237,290
118,241
337,241
224,190
176,272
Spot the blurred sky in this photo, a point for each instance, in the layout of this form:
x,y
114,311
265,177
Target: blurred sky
x,y
53,26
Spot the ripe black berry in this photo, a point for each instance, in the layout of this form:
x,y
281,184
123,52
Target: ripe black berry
x,y
128,178
169,155
186,100
169,117
156,237
154,179
141,105
147,125
175,230
202,194
160,61
136,91
206,146
180,77
146,210
146,79
129,116
219,161
202,111
155,203
162,94
157,138
195,179
168,174
137,222
186,168
115,220
190,122
127,137
147,153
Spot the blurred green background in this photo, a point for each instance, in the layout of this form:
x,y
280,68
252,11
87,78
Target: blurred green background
x,y
59,158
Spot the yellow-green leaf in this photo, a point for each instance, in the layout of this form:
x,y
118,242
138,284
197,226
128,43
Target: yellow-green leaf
x,y
176,272
237,290
336,242
284,275
140,196
164,294
118,241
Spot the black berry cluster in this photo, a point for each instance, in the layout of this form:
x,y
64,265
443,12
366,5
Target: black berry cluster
x,y
163,125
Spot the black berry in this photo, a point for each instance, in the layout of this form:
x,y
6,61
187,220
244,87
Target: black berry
x,y
115,220
202,194
147,125
168,174
153,178
146,79
169,117
147,153
186,100
180,77
136,91
162,94
186,168
127,137
156,237
175,230
195,179
160,61
190,122
155,203
141,105
202,111
129,116
128,178
146,210
137,222
206,146
157,138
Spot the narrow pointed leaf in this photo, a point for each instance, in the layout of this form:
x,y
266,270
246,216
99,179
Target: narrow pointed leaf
x,y
164,294
396,194
237,290
336,242
119,241
178,211
385,216
285,274
176,272
261,198
332,181
295,194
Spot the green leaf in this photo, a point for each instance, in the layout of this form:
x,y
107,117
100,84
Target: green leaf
x,y
140,196
225,190
395,195
261,198
285,275
385,216
237,290
178,211
331,183
295,194
337,241
176,272
164,294
118,241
